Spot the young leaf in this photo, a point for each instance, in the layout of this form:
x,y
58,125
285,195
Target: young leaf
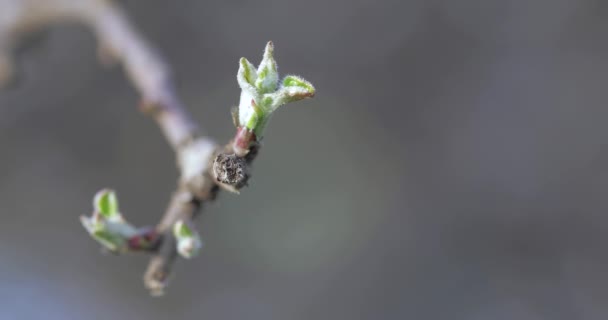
x,y
247,75
182,230
293,89
295,81
262,97
106,203
268,77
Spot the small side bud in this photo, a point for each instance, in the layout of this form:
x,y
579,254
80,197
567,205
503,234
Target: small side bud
x,y
188,240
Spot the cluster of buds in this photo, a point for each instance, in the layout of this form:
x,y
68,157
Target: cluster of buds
x,y
261,94
114,233
108,226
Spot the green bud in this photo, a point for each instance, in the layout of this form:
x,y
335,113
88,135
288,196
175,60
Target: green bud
x,y
292,89
261,94
106,203
188,240
107,225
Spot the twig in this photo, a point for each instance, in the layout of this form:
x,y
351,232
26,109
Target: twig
x,y
204,167
118,40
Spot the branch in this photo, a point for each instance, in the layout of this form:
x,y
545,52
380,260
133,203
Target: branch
x,y
204,167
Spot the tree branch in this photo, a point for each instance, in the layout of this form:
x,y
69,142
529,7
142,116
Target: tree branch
x,y
204,167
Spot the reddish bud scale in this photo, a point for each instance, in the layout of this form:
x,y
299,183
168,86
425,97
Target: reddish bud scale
x,y
143,240
243,140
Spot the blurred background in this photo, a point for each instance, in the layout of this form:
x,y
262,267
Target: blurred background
x,y
453,165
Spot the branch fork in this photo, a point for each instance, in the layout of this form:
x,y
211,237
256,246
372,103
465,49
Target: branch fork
x,y
205,167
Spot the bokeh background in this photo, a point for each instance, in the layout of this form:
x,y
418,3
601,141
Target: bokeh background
x,y
453,165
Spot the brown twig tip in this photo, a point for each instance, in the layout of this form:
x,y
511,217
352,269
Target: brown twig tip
x,y
231,169
156,283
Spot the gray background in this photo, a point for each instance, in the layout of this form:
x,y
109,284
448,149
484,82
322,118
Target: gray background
x,y
453,165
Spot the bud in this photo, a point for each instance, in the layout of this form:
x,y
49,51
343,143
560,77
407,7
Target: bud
x,y
106,225
268,77
261,94
247,75
106,203
293,88
188,240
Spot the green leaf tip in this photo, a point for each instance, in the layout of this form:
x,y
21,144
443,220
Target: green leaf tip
x,y
269,50
106,203
181,230
262,93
